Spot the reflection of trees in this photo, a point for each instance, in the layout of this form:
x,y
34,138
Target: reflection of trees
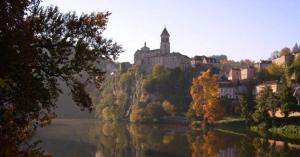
x,y
119,139
208,144
215,144
15,141
112,139
270,148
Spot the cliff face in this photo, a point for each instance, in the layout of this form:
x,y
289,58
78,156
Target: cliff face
x,y
133,94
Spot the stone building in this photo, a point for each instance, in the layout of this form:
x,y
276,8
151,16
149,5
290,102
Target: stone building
x,y
203,60
234,74
262,65
273,84
228,89
247,73
296,52
108,66
283,60
231,89
124,66
146,58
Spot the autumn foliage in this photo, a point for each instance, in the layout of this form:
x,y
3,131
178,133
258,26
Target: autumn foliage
x,y
205,101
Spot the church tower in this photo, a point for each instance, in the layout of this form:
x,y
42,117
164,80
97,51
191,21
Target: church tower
x,y
165,43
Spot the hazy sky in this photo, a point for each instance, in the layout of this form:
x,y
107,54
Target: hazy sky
x,y
238,28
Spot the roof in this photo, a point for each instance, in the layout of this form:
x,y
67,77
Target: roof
x,y
297,51
198,57
165,32
227,84
265,61
269,82
238,69
208,59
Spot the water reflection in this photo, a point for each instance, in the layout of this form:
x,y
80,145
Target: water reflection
x,y
123,140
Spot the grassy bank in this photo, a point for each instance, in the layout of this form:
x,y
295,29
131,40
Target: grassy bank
x,y
290,131
236,124
284,127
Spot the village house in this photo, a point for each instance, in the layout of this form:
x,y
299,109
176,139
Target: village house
x,y
296,53
262,65
283,60
234,74
228,90
203,60
273,84
247,73
124,66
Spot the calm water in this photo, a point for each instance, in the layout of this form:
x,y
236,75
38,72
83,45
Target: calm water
x,y
89,138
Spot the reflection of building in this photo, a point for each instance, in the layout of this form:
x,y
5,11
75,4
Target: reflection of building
x,y
273,84
229,152
234,74
262,65
146,58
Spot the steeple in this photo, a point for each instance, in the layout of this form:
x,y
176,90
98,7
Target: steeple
x,y
145,48
295,48
165,43
165,33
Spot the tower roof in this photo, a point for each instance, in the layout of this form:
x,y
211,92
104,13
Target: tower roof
x,y
165,32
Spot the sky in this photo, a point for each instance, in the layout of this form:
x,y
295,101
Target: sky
x,y
240,29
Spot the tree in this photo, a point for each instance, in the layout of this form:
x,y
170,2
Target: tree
x,y
274,55
275,70
286,99
266,103
294,71
246,106
284,51
295,48
40,48
205,97
168,107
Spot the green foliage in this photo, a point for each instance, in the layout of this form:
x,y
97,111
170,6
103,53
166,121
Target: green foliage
x,y
131,91
290,131
266,103
287,100
264,75
147,112
231,107
294,71
275,70
247,107
125,79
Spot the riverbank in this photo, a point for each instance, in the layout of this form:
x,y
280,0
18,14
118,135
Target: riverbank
x,y
285,128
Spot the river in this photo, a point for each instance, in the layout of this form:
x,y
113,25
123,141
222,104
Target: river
x,y
90,138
